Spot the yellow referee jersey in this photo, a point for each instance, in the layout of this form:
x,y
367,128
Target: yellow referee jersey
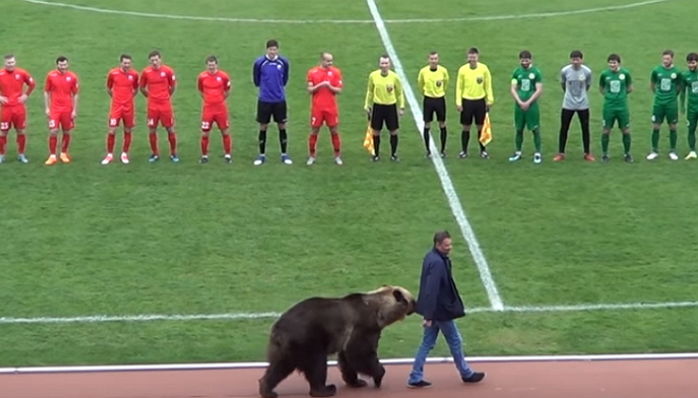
x,y
384,90
433,83
474,84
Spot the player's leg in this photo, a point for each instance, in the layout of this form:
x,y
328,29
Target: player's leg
x,y
416,379
609,118
393,125
5,122
673,120
263,118
114,120
441,118
53,125
153,118
378,116
333,124
129,119
223,122
428,113
479,113
280,117
565,121
317,118
691,121
466,120
167,119
533,124
19,120
519,123
658,113
207,117
583,115
67,124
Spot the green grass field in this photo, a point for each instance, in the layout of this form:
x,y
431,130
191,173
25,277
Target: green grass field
x,y
82,239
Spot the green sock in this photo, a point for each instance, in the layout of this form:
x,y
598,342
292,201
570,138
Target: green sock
x,y
692,137
655,140
626,143
673,137
536,139
605,138
519,139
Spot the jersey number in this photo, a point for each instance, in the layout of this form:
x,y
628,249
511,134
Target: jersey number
x,y
525,85
615,86
665,85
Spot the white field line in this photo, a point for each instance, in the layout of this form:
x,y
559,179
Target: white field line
x,y
394,361
453,200
242,316
344,21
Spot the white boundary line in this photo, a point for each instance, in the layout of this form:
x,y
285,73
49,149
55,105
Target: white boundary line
x,y
239,316
453,200
395,361
345,21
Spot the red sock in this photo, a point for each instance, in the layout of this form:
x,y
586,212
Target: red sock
x,y
21,143
3,142
227,144
153,137
65,143
204,145
111,140
336,144
312,144
172,137
52,143
127,142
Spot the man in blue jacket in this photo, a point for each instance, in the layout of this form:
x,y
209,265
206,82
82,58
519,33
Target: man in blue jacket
x,y
439,303
270,74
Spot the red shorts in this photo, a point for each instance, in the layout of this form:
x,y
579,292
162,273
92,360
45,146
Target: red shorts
x,y
64,119
318,117
162,114
214,113
13,116
122,112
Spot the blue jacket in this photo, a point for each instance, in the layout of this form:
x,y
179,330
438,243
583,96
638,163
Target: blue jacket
x,y
271,77
438,298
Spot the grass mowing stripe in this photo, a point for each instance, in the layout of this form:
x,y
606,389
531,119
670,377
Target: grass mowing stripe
x,y
446,183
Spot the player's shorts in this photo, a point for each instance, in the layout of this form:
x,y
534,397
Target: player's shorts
x,y
265,110
13,116
473,110
692,117
384,114
668,112
122,112
527,119
61,119
434,105
217,114
161,114
329,117
613,114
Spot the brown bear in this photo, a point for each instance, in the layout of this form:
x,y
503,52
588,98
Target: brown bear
x,y
303,337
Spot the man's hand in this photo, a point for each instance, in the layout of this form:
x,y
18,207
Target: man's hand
x,y
48,112
459,108
426,323
401,111
23,98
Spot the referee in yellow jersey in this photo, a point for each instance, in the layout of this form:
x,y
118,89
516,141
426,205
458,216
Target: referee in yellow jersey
x,y
432,81
384,96
473,98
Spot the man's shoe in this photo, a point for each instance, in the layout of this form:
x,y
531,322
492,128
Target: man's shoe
x,y
515,157
484,155
537,158
673,156
310,161
285,159
652,156
261,158
443,155
691,155
605,158
628,158
203,159
463,154
559,157
375,158
107,159
52,159
476,377
2,158
589,157
65,158
23,158
124,158
419,384
153,158
338,161
394,158
174,158
228,158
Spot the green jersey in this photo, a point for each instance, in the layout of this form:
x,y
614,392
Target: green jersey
x,y
667,82
525,81
690,82
615,87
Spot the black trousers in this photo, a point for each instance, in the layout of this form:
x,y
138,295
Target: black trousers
x,y
565,121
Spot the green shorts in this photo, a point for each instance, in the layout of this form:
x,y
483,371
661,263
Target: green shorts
x,y
668,112
613,114
529,119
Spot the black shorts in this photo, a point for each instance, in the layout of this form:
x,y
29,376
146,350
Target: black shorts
x,y
473,109
434,105
384,113
265,110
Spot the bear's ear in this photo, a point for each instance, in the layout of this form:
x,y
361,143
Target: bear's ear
x,y
399,297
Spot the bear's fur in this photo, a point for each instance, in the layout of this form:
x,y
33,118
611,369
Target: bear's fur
x,y
303,337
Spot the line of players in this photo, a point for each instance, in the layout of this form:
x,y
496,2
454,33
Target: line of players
x,y
384,103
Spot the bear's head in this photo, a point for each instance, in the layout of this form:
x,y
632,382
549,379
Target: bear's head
x,y
392,304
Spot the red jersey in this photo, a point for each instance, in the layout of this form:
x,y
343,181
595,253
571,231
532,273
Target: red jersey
x,y
123,85
61,87
160,82
12,85
214,86
324,98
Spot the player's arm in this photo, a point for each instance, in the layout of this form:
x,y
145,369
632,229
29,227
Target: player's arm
x,y
368,103
653,81
286,71
227,85
589,81
110,84
31,84
200,86
340,83
488,87
256,72
400,94
514,93
420,81
459,90
446,79
76,91
143,84
47,95
563,81
134,86
628,83
602,84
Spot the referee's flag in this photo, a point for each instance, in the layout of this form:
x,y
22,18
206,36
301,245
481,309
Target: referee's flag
x,y
486,135
368,139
